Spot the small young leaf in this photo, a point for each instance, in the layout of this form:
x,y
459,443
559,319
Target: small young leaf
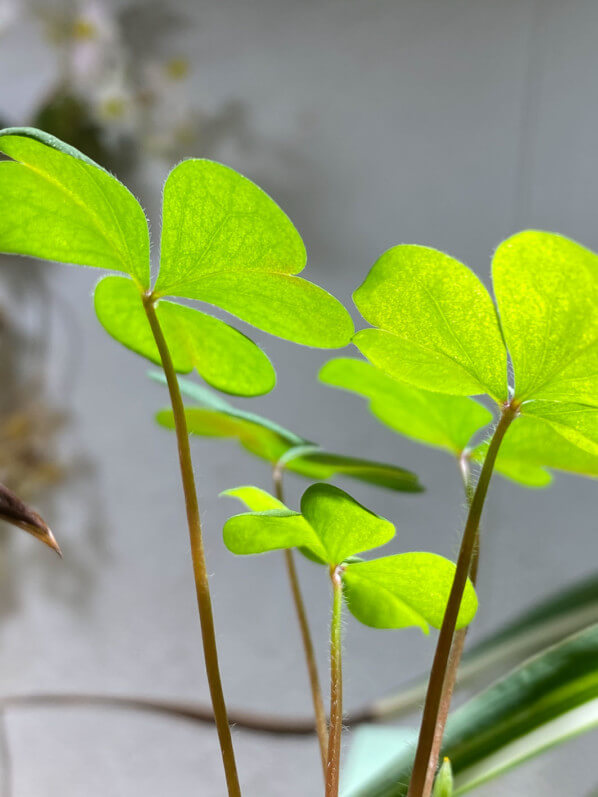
x,y
227,243
447,422
546,287
578,423
444,783
223,356
437,325
404,590
530,447
332,526
57,204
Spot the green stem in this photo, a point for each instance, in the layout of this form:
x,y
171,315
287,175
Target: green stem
x,y
202,586
336,686
308,646
425,762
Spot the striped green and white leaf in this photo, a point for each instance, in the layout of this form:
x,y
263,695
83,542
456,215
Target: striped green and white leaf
x,y
544,702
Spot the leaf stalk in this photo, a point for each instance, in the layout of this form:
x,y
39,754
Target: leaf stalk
x,y
438,698
306,637
202,586
336,685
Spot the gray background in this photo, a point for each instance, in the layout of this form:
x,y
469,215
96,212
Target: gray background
x,y
448,123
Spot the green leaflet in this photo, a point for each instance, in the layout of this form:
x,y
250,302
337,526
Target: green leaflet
x,y
56,204
546,700
546,287
277,445
404,590
398,591
578,423
532,447
447,422
437,325
225,242
223,356
332,525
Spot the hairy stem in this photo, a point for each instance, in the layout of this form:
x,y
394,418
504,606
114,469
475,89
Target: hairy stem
x,y
308,646
202,586
425,762
336,686
458,645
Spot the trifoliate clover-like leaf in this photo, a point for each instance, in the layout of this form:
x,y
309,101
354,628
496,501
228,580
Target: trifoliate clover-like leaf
x,y
223,356
546,287
578,423
57,204
332,526
404,590
279,446
227,243
447,422
436,325
397,591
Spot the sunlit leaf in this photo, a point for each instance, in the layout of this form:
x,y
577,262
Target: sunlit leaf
x,y
437,327
225,242
332,525
57,204
578,423
448,422
404,590
548,699
223,356
546,287
532,447
272,442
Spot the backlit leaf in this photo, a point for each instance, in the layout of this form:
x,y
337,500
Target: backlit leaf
x,y
404,590
254,498
578,423
332,526
546,287
448,422
57,204
437,327
227,243
223,356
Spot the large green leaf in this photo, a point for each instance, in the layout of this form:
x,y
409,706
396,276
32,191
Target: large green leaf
x,y
532,447
227,243
404,590
223,356
447,422
546,287
272,442
57,204
437,325
332,526
545,701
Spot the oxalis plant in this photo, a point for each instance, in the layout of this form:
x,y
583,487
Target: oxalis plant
x,y
435,330
436,339
223,242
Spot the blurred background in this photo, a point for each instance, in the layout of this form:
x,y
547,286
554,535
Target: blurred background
x,y
447,123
